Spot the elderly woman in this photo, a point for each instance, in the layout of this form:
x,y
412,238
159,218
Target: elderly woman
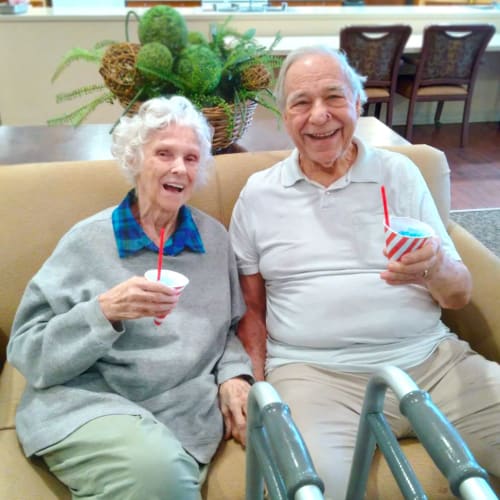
x,y
118,407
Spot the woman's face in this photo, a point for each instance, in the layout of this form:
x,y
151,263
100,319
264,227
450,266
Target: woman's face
x,y
171,160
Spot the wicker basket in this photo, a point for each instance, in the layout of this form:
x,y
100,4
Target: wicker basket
x,y
225,135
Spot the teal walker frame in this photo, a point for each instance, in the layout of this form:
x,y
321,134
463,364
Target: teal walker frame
x,y
277,455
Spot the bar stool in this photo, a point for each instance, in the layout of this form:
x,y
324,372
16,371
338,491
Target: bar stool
x,y
375,52
445,70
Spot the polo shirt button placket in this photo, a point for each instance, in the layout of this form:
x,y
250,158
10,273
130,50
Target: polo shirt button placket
x,y
327,200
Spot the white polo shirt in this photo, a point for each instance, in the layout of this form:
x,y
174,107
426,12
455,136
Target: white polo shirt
x,y
319,251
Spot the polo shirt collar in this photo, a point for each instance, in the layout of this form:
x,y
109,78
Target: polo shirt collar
x,y
130,237
364,169
291,170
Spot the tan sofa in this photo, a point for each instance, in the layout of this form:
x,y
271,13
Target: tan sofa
x,y
39,202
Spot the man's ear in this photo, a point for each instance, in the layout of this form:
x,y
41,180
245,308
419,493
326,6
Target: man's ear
x,y
359,106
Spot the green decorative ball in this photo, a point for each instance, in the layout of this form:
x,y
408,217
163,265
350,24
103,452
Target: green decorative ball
x,y
154,61
165,25
199,68
197,38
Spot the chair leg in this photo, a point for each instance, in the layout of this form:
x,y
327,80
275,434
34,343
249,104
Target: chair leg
x,y
437,116
464,137
378,108
388,115
409,120
366,108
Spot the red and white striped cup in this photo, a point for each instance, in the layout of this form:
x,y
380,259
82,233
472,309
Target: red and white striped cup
x,y
172,279
405,235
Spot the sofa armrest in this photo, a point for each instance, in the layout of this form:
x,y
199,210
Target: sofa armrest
x,y
479,322
3,348
12,385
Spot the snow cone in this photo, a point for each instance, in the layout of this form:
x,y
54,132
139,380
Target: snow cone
x,y
405,235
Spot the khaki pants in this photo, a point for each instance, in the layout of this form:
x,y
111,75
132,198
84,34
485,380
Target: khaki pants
x,y
326,405
125,457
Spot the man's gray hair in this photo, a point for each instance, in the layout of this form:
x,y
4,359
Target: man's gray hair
x,y
354,79
133,132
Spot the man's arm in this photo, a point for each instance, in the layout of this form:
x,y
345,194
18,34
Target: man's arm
x,y
449,281
252,326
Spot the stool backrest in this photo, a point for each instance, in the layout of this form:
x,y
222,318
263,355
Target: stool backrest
x,y
375,51
451,54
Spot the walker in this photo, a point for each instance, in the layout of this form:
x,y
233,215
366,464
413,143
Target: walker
x,y
278,457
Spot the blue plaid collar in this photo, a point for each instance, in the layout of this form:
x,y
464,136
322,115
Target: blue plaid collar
x,y
131,238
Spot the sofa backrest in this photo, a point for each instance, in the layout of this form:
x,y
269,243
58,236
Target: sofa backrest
x,y
40,202
232,170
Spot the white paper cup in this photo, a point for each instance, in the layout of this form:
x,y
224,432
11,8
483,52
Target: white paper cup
x,y
172,279
405,235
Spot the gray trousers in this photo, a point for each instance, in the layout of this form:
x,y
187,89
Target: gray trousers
x,y
326,406
127,458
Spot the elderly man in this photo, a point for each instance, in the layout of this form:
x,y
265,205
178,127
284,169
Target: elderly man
x,y
325,305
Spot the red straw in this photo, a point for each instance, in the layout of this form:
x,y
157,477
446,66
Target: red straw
x,y
160,253
384,202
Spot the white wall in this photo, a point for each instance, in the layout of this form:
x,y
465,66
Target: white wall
x,y
32,45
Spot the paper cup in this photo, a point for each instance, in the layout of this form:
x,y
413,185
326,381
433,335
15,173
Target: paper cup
x,y
172,279
405,235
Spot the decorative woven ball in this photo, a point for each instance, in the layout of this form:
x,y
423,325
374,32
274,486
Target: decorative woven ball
x,y
153,60
118,69
163,24
255,77
200,69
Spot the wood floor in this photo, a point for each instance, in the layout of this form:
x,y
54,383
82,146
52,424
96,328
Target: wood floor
x,y
475,169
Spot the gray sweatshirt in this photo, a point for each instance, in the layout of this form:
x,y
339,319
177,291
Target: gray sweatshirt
x,y
78,367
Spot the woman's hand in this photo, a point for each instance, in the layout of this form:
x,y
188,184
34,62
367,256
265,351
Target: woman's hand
x,y
233,395
137,298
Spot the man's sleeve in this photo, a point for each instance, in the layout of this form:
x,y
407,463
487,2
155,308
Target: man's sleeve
x,y
242,233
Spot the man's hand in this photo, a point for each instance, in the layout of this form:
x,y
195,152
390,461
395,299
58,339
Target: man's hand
x,y
233,395
136,298
414,267
448,281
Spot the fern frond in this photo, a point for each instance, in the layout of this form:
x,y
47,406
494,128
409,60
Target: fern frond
x,y
266,99
277,38
104,43
249,34
79,92
78,54
76,117
165,77
128,107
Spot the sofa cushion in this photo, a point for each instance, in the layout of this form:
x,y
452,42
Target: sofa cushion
x,y
27,479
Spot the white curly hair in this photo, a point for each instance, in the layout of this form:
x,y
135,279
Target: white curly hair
x,y
131,133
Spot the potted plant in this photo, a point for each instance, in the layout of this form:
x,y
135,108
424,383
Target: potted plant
x,y
226,76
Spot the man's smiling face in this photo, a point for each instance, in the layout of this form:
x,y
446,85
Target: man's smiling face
x,y
320,111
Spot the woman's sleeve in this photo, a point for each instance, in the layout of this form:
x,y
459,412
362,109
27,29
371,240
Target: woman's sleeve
x,y
59,330
234,361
